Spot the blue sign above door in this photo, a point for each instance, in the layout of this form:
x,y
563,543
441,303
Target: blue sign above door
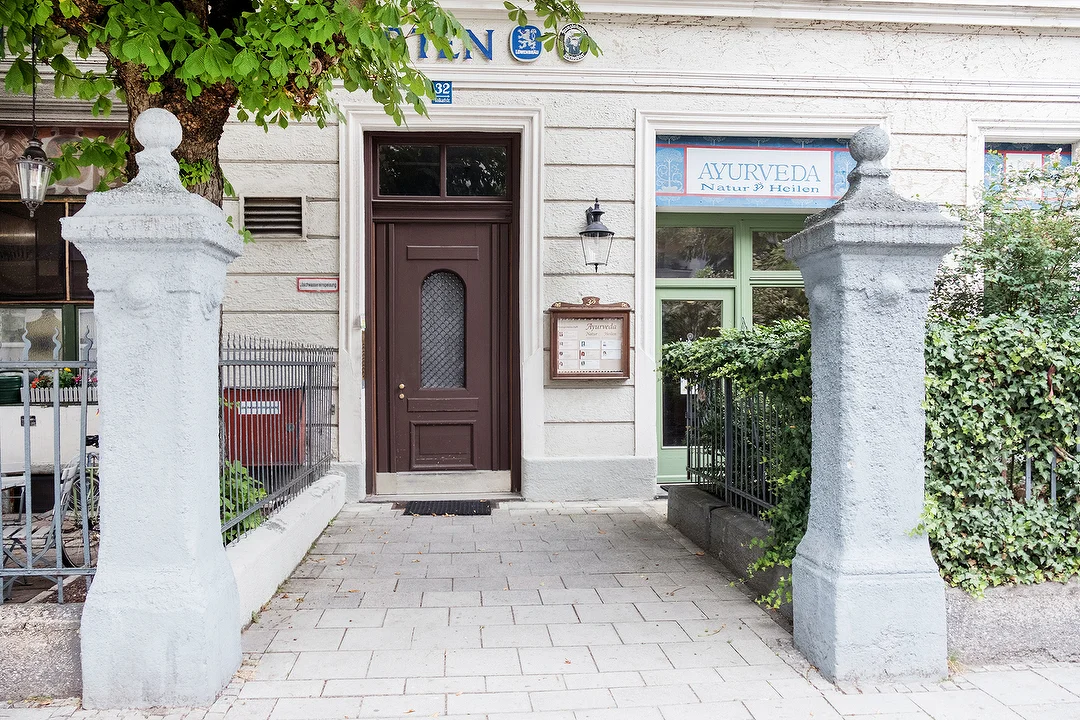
x,y
742,172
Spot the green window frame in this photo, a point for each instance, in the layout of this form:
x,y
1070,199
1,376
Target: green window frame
x,y
746,278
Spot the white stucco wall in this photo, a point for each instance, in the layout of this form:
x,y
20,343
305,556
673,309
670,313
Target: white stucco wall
x,y
937,88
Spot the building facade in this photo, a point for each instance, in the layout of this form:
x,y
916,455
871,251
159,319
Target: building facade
x,y
432,254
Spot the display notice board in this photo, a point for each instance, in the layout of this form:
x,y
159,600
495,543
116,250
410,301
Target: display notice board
x,y
590,340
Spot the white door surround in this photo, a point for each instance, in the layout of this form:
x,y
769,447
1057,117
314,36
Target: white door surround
x,y
360,118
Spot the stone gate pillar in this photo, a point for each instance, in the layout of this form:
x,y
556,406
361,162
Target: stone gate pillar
x,y
868,600
161,624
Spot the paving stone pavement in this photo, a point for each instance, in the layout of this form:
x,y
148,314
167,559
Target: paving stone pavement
x,y
551,611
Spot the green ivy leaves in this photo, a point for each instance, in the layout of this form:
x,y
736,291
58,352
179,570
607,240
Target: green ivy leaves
x,y
1001,389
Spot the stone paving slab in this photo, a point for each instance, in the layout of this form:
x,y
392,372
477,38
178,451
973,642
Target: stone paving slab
x,y
551,611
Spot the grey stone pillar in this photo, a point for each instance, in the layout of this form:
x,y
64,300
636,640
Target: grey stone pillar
x,y
868,601
161,624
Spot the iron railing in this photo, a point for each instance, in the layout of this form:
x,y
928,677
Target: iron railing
x,y
277,406
1042,479
48,468
277,417
730,438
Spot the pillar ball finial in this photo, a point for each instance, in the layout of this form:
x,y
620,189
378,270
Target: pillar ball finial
x,y
158,128
870,144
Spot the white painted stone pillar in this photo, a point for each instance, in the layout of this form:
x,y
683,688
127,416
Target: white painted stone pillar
x,y
868,601
160,624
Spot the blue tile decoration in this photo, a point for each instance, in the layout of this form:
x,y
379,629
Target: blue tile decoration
x,y
671,169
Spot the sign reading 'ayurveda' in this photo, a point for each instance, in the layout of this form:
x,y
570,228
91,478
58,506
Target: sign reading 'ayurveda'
x,y
750,172
759,172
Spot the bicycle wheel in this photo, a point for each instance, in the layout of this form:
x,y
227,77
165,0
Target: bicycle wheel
x,y
79,529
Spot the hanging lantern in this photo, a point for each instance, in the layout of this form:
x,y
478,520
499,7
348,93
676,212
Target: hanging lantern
x,y
33,166
596,238
35,174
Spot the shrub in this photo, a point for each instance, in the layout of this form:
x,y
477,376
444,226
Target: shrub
x,y
239,492
774,360
999,388
1019,254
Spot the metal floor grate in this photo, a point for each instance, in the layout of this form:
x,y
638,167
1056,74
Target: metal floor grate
x,y
448,507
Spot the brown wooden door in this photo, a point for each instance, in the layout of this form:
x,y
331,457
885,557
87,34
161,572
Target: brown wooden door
x,y
442,361
443,305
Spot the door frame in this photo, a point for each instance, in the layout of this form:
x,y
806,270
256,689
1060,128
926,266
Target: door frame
x,y
726,294
737,290
650,124
461,209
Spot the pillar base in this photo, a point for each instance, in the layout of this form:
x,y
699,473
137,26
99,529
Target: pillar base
x,y
159,640
887,627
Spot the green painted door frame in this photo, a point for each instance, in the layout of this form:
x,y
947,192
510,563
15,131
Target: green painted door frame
x,y
736,294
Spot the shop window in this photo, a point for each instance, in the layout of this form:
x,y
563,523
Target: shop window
x,y
769,250
779,303
44,297
1002,158
695,252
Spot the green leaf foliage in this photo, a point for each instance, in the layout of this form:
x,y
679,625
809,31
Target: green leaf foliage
x,y
1021,249
239,492
773,360
275,61
999,389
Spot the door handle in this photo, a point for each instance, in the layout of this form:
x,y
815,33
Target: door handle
x,y
401,395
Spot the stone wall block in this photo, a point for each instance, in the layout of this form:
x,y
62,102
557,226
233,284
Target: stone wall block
x,y
868,264
161,621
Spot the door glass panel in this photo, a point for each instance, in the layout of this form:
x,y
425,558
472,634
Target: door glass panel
x,y
476,170
442,331
409,170
769,250
684,320
695,252
779,303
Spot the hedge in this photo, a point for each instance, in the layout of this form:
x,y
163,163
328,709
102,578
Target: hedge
x,y
998,388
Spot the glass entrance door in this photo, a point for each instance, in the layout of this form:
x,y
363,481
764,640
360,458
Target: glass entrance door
x,y
683,314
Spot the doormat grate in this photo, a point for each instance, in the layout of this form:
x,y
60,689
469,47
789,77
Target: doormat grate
x,y
448,507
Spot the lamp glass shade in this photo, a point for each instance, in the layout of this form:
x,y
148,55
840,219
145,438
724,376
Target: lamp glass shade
x,y
597,249
35,175
596,238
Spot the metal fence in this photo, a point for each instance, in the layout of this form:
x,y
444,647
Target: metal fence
x,y
1042,479
276,430
48,468
277,409
730,437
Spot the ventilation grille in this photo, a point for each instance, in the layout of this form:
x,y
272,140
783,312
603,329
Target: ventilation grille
x,y
274,217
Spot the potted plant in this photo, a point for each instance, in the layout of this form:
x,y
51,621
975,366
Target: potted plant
x,y
70,387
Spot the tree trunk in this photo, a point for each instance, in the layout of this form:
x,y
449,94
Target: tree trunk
x,y
203,119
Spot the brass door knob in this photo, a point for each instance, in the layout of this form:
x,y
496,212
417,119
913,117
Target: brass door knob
x,y
401,386
401,396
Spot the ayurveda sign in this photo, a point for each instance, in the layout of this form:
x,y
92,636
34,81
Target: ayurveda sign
x,y
758,172
750,172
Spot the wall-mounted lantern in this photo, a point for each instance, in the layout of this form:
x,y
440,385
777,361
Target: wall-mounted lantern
x,y
33,166
596,238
